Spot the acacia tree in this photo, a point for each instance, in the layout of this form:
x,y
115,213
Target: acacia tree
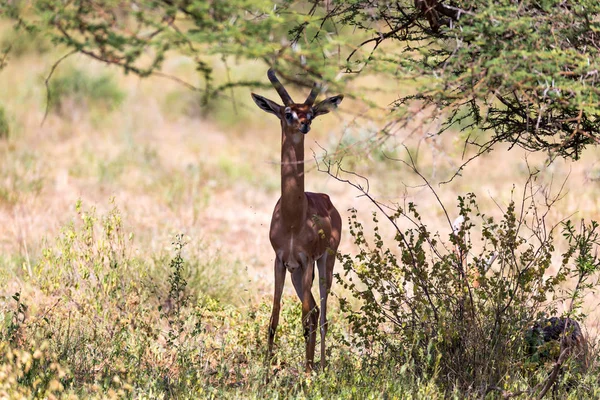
x,y
524,71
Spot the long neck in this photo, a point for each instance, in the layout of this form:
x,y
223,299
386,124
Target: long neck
x,y
293,200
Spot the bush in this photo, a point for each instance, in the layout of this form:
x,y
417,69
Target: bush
x,y
458,309
76,88
4,127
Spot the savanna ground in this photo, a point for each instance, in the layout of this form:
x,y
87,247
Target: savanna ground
x,y
102,298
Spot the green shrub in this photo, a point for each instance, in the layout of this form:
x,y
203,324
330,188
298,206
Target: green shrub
x,y
457,310
4,126
218,108
75,88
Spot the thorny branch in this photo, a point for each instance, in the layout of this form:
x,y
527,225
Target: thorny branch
x,y
47,82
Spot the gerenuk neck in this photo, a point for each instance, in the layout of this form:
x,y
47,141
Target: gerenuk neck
x,y
293,200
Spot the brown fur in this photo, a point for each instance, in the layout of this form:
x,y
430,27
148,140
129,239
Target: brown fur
x,y
305,227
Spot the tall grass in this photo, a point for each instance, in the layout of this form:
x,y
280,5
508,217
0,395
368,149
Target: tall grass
x,y
95,319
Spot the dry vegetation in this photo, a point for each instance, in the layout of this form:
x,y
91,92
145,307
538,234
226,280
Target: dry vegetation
x,y
169,166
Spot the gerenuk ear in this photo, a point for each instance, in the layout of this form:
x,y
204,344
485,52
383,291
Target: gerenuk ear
x,y
327,105
266,105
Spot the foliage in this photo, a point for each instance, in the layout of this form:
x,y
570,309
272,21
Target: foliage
x,y
525,71
74,88
21,174
458,309
33,371
3,57
4,126
14,319
24,41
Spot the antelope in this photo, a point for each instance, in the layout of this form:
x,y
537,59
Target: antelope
x,y
305,227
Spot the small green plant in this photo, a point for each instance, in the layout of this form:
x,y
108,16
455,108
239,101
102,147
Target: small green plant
x,y
178,298
208,273
14,320
75,88
4,126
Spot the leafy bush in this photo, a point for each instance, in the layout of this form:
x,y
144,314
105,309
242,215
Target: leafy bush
x,y
458,309
75,88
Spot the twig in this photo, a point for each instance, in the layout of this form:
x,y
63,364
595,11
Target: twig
x,y
5,56
47,81
504,393
381,38
554,374
227,69
386,215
